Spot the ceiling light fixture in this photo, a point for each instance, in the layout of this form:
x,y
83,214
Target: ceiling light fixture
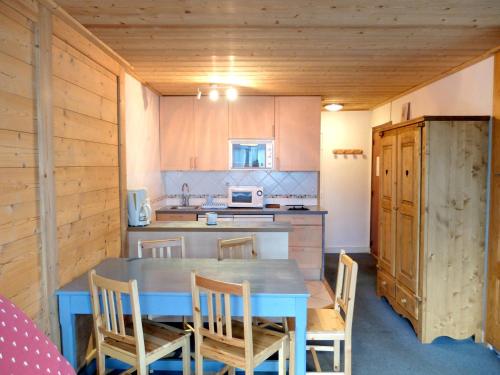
x,y
333,107
198,95
213,94
231,94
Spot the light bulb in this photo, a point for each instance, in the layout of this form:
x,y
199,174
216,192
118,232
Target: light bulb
x,y
213,95
231,94
334,107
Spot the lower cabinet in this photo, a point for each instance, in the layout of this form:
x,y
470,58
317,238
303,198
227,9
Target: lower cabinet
x,y
305,243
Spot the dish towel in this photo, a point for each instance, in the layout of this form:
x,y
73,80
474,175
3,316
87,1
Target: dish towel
x,y
24,349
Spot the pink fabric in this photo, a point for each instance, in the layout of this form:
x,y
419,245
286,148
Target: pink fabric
x,y
24,349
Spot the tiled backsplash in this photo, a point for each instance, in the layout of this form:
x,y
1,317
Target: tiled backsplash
x,y
275,184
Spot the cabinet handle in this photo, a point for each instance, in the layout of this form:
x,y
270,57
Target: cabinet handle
x,y
384,283
403,301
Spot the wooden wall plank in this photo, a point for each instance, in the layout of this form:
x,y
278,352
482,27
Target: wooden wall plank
x,y
68,34
72,97
18,185
76,153
16,40
16,76
17,149
76,70
80,206
16,112
73,125
73,180
13,231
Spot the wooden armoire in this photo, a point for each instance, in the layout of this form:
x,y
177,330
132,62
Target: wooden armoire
x,y
432,213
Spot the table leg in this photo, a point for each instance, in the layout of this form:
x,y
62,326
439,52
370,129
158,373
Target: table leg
x,y
300,335
68,330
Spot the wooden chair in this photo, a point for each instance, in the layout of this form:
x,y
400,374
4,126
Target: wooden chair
x,y
133,341
332,324
245,248
166,248
234,343
238,248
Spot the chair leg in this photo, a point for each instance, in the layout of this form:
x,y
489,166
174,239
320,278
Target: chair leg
x,y
336,355
141,367
198,364
101,363
186,357
291,362
282,358
347,357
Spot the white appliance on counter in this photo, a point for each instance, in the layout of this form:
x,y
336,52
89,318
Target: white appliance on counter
x,y
139,208
251,154
245,196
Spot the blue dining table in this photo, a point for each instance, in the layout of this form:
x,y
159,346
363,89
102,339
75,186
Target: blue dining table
x,y
277,286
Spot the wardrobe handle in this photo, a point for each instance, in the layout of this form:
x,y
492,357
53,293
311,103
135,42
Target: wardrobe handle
x,y
384,283
403,301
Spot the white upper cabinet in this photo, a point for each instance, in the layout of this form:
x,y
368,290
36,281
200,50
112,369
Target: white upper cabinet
x,y
252,117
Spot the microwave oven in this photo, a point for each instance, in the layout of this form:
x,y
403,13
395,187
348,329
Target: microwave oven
x,y
251,154
245,196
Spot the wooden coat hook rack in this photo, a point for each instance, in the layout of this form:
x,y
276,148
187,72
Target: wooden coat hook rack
x,y
350,151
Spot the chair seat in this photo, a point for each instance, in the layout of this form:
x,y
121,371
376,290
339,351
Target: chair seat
x,y
326,322
265,343
156,337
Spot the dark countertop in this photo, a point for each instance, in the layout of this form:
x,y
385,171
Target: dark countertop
x,y
283,210
222,226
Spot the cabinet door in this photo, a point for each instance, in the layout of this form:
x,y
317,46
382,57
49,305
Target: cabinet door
x,y
252,117
298,120
211,135
176,133
408,203
387,212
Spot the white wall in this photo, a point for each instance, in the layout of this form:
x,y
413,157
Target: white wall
x,y
345,180
467,92
142,138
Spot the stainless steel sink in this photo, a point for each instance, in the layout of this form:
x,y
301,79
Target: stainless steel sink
x,y
184,207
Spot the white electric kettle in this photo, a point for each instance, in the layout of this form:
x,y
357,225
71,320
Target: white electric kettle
x,y
139,208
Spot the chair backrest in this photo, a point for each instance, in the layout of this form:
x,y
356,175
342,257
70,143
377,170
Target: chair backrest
x,y
238,248
345,289
219,312
107,311
166,248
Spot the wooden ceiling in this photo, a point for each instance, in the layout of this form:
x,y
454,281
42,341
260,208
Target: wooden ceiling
x,y
359,53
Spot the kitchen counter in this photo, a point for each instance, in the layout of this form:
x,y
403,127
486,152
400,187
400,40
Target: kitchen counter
x,y
222,226
283,210
202,240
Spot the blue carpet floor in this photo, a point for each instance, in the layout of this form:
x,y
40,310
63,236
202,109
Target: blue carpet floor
x,y
385,344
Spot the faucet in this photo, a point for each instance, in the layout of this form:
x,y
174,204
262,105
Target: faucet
x,y
185,194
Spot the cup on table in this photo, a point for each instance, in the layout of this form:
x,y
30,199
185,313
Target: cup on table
x,y
211,218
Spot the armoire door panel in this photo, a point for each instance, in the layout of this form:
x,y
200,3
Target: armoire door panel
x,y
406,264
387,223
386,254
408,198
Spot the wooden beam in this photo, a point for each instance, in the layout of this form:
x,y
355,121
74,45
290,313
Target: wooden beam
x,y
122,156
48,225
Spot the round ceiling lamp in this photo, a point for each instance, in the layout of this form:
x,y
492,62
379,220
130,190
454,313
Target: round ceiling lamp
x,y
213,94
333,107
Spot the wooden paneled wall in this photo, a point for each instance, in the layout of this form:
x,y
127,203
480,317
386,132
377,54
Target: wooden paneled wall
x,y
85,132
20,273
85,159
